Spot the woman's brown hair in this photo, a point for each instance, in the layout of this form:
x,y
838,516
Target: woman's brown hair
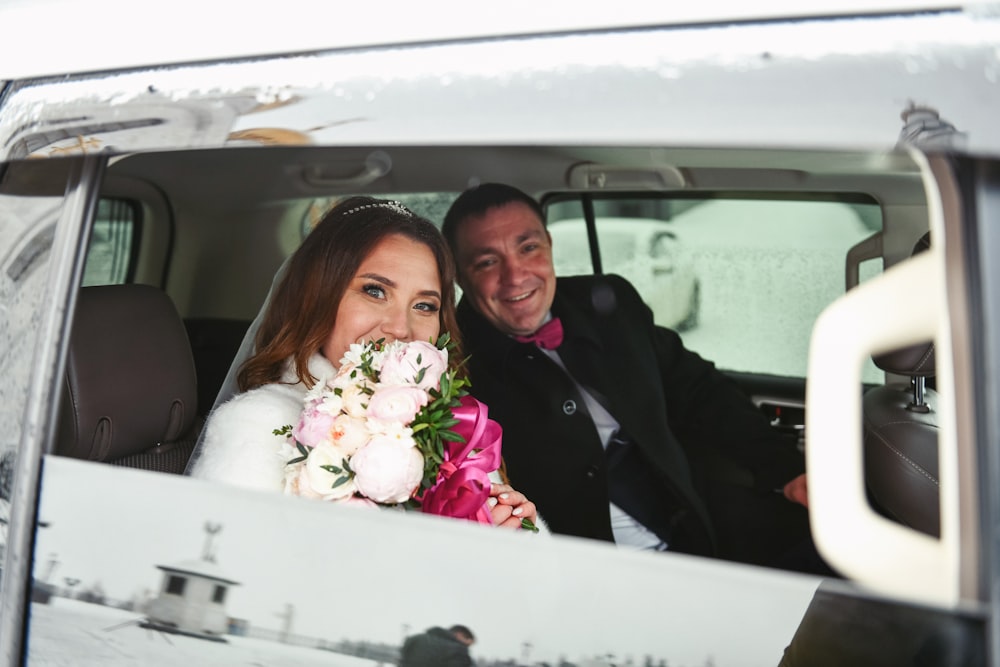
x,y
303,307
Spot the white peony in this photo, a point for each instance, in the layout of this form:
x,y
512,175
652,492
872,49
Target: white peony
x,y
318,482
387,470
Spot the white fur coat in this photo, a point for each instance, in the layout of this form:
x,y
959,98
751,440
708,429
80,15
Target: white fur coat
x,y
239,447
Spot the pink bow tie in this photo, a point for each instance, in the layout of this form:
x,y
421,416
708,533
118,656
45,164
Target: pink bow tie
x,y
548,337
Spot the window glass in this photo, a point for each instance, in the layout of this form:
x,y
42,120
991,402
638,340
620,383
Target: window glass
x,y
27,230
175,585
112,243
430,205
742,279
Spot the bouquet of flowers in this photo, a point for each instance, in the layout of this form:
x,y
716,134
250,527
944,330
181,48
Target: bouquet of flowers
x,y
395,427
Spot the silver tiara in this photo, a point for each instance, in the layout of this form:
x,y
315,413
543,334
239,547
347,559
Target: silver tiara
x,y
394,206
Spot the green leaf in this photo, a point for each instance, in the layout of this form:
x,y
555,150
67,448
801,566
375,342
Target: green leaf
x,y
450,436
331,468
340,482
526,524
284,430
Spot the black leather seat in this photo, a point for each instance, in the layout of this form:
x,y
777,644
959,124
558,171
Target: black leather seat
x,y
901,438
130,394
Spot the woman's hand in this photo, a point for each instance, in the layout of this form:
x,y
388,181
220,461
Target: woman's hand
x,y
509,507
797,491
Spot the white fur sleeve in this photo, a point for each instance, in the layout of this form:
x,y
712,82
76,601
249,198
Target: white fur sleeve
x,y
239,447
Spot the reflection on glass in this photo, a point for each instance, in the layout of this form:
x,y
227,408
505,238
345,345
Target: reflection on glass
x,y
742,279
310,583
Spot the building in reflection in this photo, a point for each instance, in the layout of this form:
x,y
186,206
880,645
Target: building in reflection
x,y
192,597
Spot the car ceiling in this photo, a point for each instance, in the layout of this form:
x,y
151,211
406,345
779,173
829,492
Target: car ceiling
x,y
245,176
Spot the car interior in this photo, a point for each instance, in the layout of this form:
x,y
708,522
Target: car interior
x,y
768,234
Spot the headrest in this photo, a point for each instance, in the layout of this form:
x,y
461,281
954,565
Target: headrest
x,y
916,360
130,376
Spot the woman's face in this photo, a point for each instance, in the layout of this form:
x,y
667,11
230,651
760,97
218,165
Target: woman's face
x,y
395,295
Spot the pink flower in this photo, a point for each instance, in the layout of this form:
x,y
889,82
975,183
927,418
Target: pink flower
x,y
314,426
396,403
403,363
387,470
349,433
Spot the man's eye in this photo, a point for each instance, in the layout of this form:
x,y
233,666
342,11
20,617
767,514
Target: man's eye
x,y
484,264
374,290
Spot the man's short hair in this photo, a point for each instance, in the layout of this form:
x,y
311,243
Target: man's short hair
x,y
462,630
476,201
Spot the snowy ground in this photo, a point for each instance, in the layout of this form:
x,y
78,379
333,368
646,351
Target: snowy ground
x,y
70,633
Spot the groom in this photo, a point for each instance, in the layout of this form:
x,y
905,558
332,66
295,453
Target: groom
x,y
613,428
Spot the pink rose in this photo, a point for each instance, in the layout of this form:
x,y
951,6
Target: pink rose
x,y
387,470
314,426
403,363
396,403
349,433
354,400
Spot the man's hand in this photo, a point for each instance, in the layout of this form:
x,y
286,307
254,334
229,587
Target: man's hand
x,y
796,491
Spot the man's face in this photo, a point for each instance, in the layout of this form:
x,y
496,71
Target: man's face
x,y
504,260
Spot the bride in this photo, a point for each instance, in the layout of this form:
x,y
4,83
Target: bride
x,y
371,270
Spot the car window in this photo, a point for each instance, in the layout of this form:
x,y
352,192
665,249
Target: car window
x,y
113,242
742,279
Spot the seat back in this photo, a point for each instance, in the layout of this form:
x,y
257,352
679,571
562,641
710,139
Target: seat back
x,y
130,392
901,438
214,344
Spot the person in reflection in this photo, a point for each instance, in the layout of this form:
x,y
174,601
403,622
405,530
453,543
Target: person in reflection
x,y
438,647
614,428
370,270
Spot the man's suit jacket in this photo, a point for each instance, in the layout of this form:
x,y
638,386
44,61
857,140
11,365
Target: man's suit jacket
x,y
682,413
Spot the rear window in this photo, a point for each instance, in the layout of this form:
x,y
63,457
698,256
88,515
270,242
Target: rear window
x,y
742,278
113,243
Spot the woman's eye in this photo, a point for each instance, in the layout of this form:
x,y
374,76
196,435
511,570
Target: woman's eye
x,y
427,307
374,290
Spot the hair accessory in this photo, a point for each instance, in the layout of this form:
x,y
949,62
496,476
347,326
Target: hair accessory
x,y
394,206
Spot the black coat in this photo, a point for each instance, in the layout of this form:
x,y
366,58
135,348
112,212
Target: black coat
x,y
435,648
711,450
